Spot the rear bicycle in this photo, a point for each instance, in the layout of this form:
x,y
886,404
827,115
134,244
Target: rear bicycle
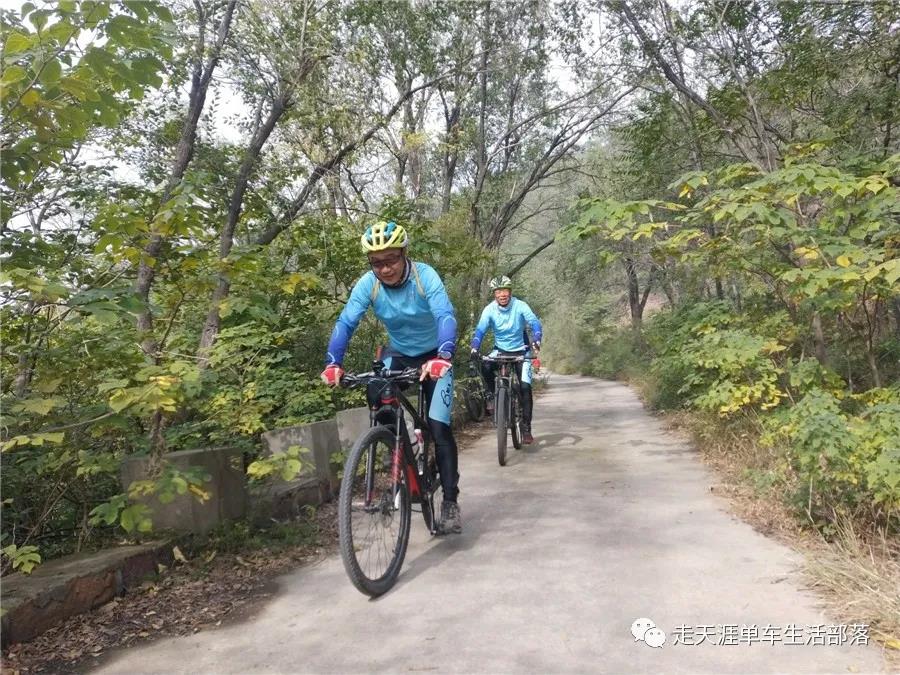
x,y
508,406
474,395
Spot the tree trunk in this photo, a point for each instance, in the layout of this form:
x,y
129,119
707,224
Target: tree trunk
x,y
634,296
201,77
24,368
481,133
528,258
819,340
226,238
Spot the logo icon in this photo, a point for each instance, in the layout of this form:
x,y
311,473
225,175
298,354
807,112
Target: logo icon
x,y
644,630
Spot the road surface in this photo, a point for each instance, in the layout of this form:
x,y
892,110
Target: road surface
x,y
607,519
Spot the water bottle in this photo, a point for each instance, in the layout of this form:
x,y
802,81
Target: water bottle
x,y
418,444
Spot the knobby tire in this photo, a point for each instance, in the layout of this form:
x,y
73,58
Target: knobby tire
x,y
352,508
501,406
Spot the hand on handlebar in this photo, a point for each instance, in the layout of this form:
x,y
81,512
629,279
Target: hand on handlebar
x,y
332,375
435,369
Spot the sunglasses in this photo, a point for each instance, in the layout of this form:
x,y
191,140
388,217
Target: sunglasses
x,y
381,263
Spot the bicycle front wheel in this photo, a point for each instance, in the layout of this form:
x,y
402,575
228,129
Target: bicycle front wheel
x,y
515,422
373,513
501,408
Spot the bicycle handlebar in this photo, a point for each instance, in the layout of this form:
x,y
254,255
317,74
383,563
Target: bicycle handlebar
x,y
506,358
409,375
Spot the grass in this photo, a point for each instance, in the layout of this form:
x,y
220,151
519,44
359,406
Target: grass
x,y
859,576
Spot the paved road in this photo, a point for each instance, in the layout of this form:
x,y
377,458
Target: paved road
x,y
606,519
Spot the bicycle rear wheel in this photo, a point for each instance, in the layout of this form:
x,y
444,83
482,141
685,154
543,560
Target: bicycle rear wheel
x,y
373,513
501,408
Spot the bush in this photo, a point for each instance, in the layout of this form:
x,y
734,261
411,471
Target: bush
x,y
844,453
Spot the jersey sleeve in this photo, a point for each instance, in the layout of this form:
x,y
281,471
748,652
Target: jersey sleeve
x,y
533,322
441,308
352,314
484,323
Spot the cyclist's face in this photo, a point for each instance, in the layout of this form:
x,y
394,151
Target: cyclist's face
x,y
502,296
388,264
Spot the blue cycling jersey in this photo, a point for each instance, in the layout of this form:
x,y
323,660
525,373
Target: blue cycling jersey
x,y
418,315
508,324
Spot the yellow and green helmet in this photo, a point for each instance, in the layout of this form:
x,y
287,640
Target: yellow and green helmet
x,y
386,234
501,281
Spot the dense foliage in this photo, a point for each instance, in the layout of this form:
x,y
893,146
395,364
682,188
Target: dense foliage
x,y
759,215
184,185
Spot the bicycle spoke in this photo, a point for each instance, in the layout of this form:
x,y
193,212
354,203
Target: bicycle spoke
x,y
375,514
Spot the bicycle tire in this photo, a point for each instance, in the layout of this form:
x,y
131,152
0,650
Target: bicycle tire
x,y
515,423
371,514
501,408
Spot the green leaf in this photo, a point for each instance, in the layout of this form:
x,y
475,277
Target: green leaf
x,y
39,18
17,43
127,519
892,271
78,89
38,406
12,75
138,7
51,72
121,400
30,98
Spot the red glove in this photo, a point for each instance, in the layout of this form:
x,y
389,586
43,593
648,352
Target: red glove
x,y
536,364
332,375
435,369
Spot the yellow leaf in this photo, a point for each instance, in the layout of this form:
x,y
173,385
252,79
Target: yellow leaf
x,y
892,643
178,555
30,98
843,261
199,493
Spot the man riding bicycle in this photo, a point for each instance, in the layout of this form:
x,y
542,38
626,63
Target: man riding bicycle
x,y
508,317
409,298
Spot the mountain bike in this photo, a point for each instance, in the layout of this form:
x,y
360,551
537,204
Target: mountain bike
x,y
507,402
384,475
473,390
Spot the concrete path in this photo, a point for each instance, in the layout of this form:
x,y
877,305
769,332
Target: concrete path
x,y
605,520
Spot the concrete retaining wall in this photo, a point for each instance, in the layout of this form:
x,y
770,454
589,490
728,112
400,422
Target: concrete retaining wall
x,y
74,584
228,492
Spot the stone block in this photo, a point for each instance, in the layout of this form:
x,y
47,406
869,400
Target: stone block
x,y
351,423
228,492
74,584
320,439
285,499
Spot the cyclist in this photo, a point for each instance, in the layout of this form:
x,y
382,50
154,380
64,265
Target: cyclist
x,y
508,317
410,300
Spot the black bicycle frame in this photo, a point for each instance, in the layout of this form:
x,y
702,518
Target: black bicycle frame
x,y
395,401
506,377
